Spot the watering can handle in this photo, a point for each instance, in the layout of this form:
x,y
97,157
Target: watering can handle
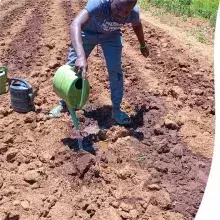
x,y
83,93
20,80
33,95
83,90
5,69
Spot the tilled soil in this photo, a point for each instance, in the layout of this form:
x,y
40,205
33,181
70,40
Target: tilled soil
x,y
155,169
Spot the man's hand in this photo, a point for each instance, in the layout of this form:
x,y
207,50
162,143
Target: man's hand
x,y
138,30
81,66
145,51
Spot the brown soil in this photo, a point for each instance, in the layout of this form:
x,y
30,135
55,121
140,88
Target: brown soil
x,y
156,169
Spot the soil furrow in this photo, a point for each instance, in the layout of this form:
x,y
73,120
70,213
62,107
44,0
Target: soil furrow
x,y
13,14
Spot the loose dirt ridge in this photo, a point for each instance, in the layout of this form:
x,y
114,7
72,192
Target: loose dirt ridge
x,y
156,169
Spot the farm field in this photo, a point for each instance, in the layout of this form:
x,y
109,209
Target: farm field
x,y
156,169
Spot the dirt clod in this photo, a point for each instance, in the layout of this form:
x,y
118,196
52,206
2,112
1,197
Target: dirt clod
x,y
25,204
125,173
163,148
3,148
1,181
158,130
154,187
32,176
162,199
31,117
8,139
168,123
11,155
134,213
84,163
3,112
126,207
176,91
125,215
177,151
115,204
161,167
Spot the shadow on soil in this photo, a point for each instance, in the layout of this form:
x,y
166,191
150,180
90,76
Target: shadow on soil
x,y
73,144
103,117
16,217
105,122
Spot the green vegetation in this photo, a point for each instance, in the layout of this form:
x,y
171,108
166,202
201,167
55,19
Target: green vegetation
x,y
202,8
199,34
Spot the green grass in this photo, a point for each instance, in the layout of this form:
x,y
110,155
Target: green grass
x,y
199,35
203,8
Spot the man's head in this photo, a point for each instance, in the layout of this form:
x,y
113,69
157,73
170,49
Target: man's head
x,y
122,8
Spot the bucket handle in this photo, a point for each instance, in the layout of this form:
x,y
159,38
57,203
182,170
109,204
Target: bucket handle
x,y
20,80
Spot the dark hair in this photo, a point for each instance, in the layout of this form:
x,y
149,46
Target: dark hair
x,y
133,2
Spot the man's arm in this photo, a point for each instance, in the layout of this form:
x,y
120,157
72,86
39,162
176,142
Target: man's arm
x,y
138,30
76,27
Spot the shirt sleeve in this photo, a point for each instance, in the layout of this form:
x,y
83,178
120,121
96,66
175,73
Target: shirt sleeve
x,y
134,17
93,7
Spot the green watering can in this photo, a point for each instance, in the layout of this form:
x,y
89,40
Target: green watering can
x,y
3,79
70,86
